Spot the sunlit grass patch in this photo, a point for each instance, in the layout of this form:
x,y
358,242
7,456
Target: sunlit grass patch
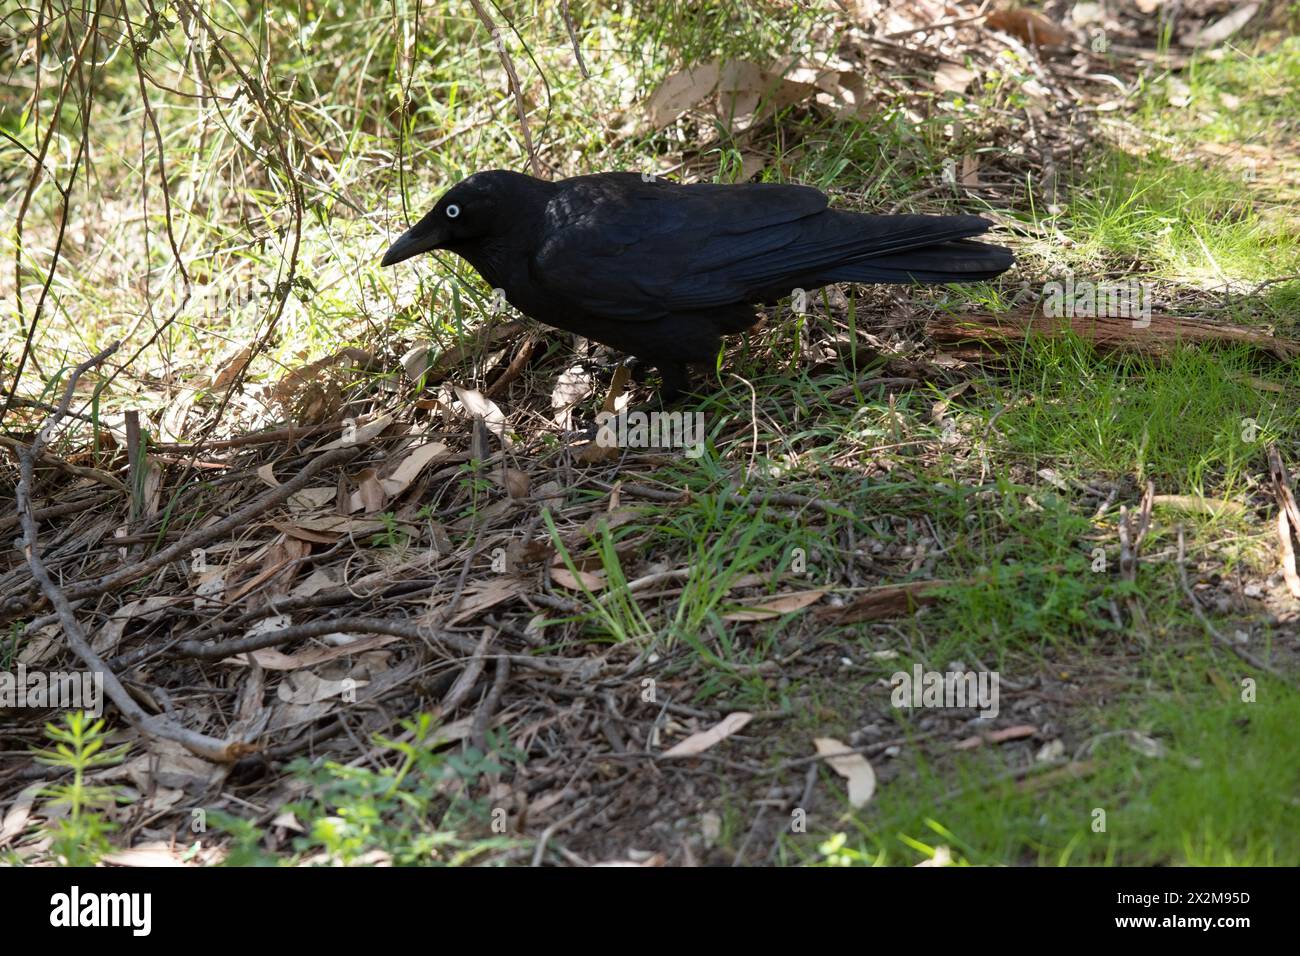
x,y
1195,420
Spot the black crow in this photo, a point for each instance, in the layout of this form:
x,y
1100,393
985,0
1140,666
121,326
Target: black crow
x,y
661,270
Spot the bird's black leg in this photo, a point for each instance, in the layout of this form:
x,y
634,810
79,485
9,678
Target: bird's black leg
x,y
675,377
676,382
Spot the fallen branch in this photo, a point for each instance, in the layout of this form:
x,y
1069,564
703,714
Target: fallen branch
x,y
1155,336
157,725
555,666
58,511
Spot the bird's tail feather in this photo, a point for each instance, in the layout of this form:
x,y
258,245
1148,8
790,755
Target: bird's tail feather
x,y
961,260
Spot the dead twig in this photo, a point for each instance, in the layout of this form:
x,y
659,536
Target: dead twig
x,y
488,707
1130,545
54,461
1288,518
1210,629
469,676
573,38
515,88
159,726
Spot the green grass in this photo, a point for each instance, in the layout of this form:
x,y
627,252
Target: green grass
x,y
1196,421
1183,221
1242,97
1189,217
1221,792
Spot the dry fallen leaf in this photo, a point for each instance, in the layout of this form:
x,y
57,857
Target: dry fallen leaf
x,y
741,86
1288,559
302,534
289,821
341,524
737,92
605,447
373,492
416,361
314,393
110,633
653,860
275,660
266,474
888,601
1209,506
698,743
476,403
312,499
165,764
478,598
573,385
229,369
151,856
359,434
1028,26
1018,732
420,458
853,767
15,818
682,91
304,687
582,581
942,857
1223,28
278,564
951,78
775,607
515,482
369,498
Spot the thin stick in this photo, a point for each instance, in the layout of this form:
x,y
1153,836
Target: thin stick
x,y
1210,629
150,725
1288,517
515,88
573,38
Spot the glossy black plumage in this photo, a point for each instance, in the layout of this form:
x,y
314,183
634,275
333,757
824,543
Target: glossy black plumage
x,y
661,270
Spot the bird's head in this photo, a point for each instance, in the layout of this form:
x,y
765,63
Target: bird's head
x,y
476,208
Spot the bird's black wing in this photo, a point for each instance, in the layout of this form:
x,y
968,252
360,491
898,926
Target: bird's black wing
x,y
637,250
622,248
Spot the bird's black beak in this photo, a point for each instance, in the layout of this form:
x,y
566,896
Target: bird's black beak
x,y
414,241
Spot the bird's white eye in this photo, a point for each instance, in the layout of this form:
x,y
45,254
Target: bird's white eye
x,y
453,211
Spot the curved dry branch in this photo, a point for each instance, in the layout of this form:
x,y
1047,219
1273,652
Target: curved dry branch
x,y
152,725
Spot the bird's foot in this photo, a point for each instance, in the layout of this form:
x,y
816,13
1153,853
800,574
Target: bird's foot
x,y
676,383
638,369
